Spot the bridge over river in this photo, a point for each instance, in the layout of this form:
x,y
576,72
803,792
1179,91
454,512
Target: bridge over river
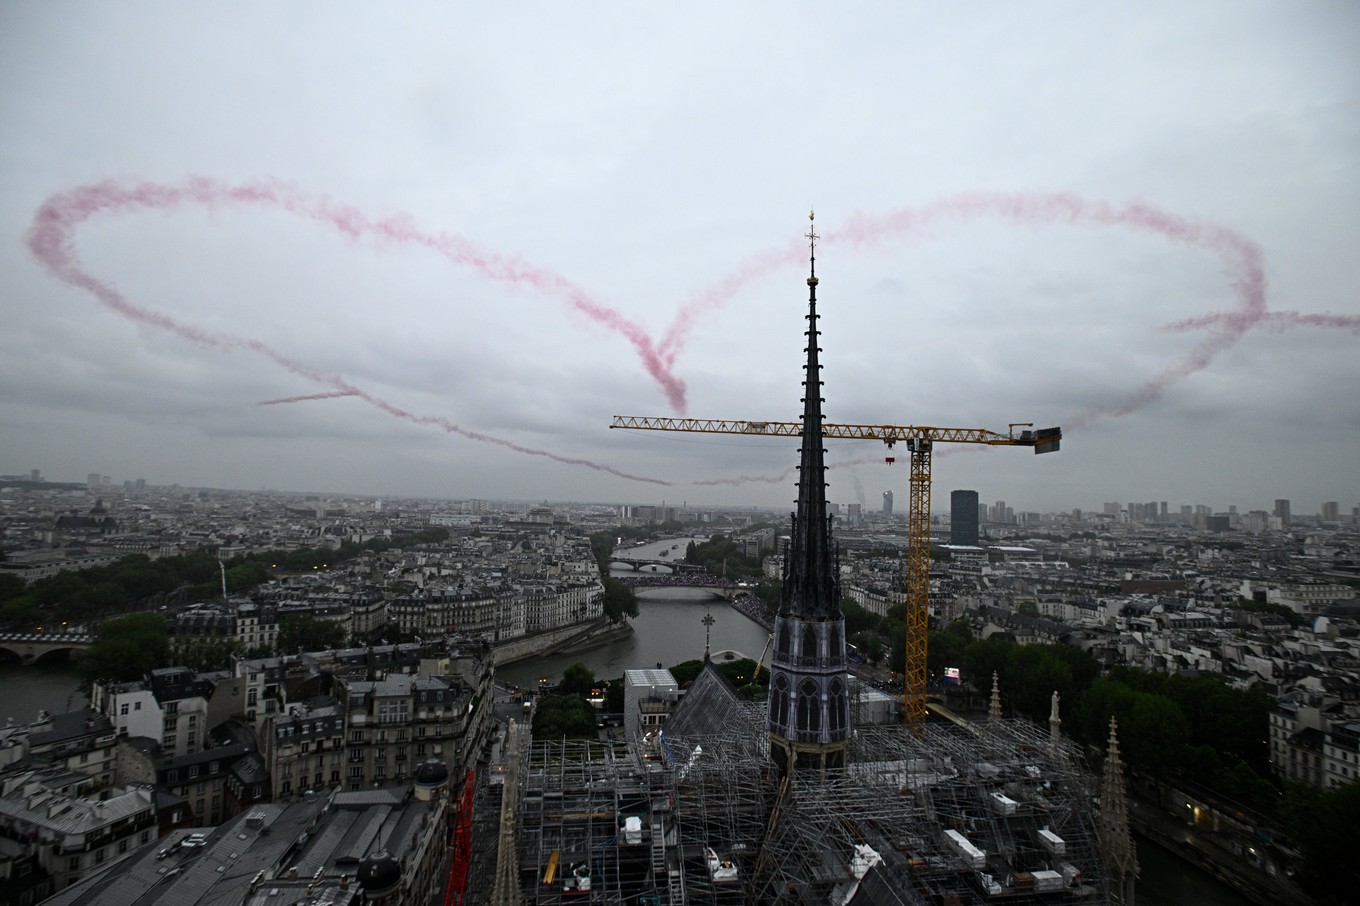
x,y
36,647
722,588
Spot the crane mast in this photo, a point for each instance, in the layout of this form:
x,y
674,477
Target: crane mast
x,y
920,441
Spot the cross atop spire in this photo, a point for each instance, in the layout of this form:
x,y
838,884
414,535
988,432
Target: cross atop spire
x,y
812,238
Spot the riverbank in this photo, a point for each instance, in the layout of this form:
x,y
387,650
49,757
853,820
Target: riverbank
x,y
566,640
1204,852
668,630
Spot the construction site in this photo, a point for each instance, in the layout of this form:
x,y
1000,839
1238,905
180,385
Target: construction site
x,y
795,799
695,814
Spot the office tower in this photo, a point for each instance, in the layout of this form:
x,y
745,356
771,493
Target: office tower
x,y
887,503
1331,511
963,521
1282,511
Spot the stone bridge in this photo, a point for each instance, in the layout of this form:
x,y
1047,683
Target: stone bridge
x,y
34,647
675,564
721,588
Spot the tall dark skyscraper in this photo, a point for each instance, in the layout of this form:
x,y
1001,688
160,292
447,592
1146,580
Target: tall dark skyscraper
x,y
887,503
963,517
809,702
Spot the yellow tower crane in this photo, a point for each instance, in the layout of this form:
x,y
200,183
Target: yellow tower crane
x,y
920,441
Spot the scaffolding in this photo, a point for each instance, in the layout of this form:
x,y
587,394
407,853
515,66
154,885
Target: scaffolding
x,y
947,814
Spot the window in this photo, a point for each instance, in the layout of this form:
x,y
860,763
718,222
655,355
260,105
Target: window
x,y
99,856
73,863
123,710
136,706
193,772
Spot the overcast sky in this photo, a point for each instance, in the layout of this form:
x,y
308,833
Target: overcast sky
x,y
476,232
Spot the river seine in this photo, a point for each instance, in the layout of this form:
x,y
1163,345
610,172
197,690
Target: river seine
x,y
669,630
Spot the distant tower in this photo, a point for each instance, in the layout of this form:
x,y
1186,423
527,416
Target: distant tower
x,y
963,518
887,503
1282,511
1121,859
1054,722
809,703
994,706
1331,511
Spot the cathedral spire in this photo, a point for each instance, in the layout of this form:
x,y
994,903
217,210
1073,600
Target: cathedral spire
x,y
994,706
811,586
809,709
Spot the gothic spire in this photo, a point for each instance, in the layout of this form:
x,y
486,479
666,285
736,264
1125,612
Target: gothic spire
x,y
1116,840
994,706
811,586
809,702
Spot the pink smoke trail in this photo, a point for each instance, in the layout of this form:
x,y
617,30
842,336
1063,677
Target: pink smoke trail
x,y
1277,321
58,218
331,395
51,240
912,226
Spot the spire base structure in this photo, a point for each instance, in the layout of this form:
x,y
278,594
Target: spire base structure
x,y
809,701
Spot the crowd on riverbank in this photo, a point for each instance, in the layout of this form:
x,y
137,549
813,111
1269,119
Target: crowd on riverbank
x,y
750,606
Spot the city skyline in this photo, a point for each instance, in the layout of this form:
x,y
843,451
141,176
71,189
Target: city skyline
x,y
383,256
1340,509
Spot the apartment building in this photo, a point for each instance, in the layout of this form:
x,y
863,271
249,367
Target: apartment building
x,y
44,814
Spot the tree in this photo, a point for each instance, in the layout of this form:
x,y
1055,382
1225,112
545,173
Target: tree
x,y
126,649
619,601
946,647
11,586
200,654
983,658
303,632
559,716
577,679
1331,870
